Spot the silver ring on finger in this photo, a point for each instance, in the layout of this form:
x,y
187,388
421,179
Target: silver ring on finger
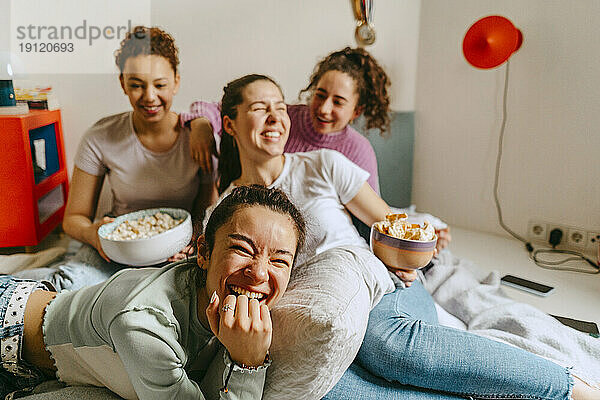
x,y
226,308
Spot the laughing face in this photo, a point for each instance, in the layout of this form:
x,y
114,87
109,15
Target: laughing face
x,y
262,124
150,83
334,102
252,256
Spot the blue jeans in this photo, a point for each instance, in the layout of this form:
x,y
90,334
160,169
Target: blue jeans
x,y
85,268
405,350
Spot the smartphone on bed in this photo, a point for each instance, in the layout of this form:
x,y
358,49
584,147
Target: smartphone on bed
x,y
583,326
527,285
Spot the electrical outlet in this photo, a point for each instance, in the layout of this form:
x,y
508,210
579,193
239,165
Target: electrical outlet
x,y
563,237
593,238
536,231
573,238
576,239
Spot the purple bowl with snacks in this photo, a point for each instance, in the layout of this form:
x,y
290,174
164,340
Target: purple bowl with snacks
x,y
401,253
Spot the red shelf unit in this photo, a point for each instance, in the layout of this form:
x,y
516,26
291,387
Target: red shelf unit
x,y
29,210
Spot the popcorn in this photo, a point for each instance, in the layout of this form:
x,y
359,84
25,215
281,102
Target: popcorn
x,y
395,225
145,227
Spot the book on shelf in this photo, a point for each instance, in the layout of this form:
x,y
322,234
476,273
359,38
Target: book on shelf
x,y
20,108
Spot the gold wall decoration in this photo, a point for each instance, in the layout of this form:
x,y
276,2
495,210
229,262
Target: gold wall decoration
x,y
363,11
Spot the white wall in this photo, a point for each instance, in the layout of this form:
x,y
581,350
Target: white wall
x,y
222,40
551,164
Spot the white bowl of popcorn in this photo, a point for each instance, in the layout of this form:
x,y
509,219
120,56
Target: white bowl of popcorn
x,y
146,237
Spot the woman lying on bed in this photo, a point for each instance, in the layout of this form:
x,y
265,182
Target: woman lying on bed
x,y
134,150
403,344
148,333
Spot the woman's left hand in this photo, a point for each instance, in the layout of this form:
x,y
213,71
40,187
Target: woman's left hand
x,y
407,276
444,238
243,326
186,252
202,143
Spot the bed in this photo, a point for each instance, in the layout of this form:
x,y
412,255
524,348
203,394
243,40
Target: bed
x,y
395,160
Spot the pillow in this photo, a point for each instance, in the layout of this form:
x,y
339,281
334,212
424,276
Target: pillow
x,y
319,323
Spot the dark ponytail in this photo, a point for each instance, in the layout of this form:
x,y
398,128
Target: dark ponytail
x,y
230,167
371,83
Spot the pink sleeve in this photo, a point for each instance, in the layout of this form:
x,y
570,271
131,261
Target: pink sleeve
x,y
360,151
370,165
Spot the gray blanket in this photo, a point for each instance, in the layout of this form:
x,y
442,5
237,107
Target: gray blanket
x,y
479,302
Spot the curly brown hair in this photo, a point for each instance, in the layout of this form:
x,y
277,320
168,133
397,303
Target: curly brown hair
x,y
136,43
371,83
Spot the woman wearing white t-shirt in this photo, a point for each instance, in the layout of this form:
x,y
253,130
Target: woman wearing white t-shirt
x,y
143,153
405,353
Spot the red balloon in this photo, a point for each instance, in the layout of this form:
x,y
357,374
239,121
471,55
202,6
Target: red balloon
x,y
490,41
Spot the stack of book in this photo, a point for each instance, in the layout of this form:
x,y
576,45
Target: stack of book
x,y
37,97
